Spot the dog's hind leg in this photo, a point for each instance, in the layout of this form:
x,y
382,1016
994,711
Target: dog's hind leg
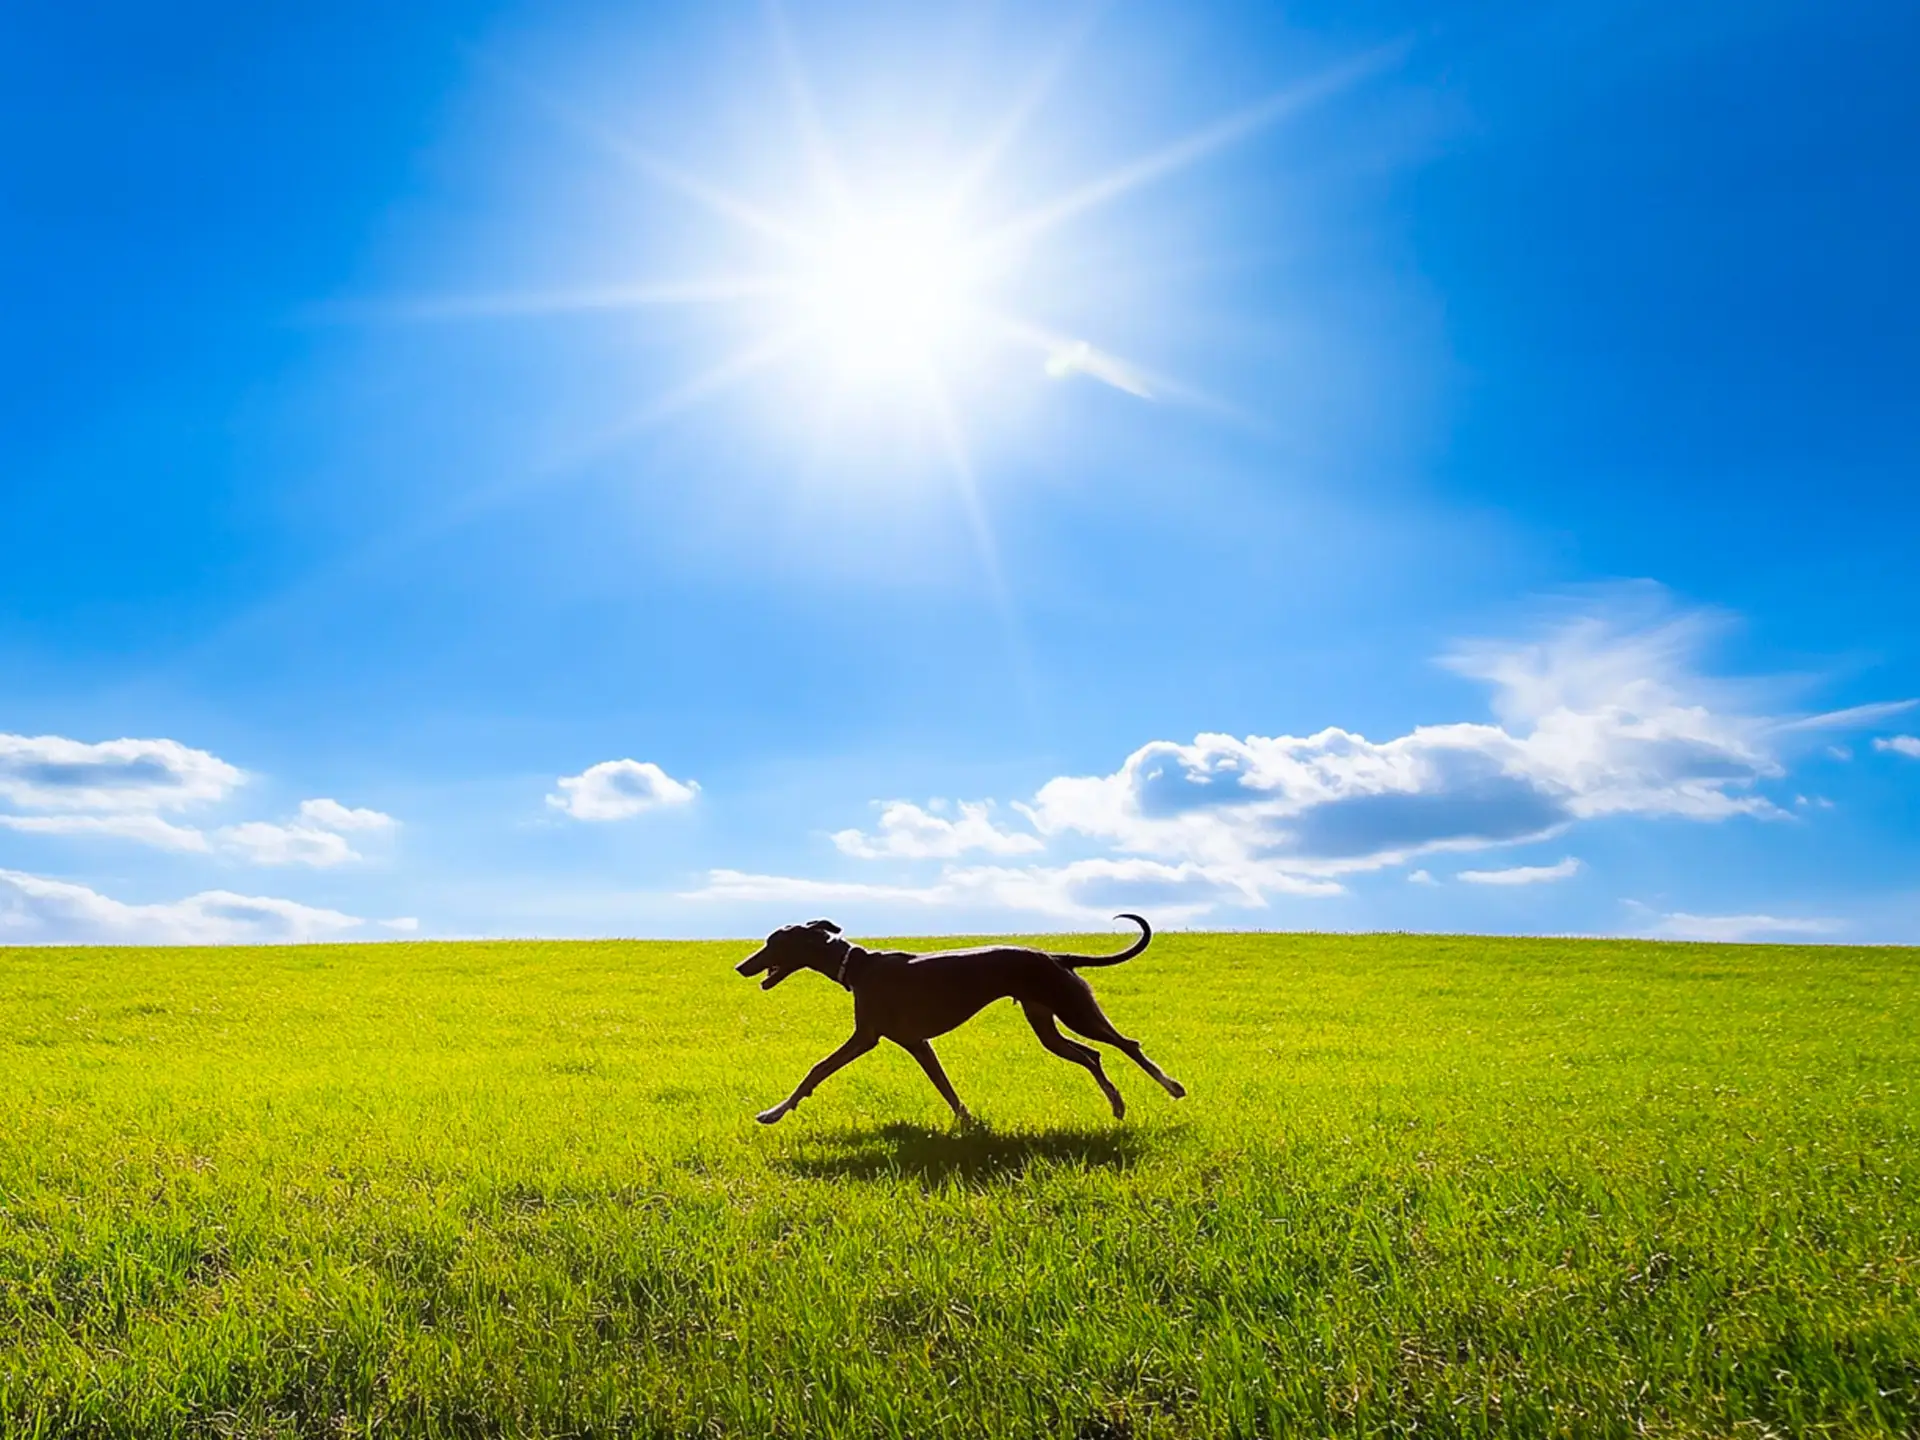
x,y
857,1045
922,1051
1084,1017
1049,1035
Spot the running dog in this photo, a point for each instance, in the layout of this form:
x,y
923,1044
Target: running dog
x,y
909,999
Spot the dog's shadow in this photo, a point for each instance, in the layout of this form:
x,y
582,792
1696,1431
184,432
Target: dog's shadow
x,y
975,1158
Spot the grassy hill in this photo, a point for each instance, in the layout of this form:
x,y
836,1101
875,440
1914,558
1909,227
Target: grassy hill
x,y
1434,1185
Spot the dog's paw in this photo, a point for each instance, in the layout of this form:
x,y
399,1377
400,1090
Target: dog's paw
x,y
1176,1089
768,1117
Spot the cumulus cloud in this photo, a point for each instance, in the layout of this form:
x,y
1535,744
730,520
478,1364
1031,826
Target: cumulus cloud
x,y
50,773
314,839
121,788
1597,717
1908,745
332,815
619,790
909,832
1523,874
259,842
1732,929
36,910
1608,713
1421,877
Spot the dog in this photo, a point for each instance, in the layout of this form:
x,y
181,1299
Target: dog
x,y
909,999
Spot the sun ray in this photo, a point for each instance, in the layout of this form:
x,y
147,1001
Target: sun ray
x,y
720,290
813,131
967,486
721,202
1191,149
717,379
1040,86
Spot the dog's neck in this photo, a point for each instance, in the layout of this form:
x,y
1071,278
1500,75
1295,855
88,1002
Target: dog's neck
x,y
846,958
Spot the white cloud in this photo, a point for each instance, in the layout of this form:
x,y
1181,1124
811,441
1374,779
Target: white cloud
x,y
1421,877
120,789
1851,718
619,790
1730,929
148,829
35,910
1908,745
1604,715
259,842
1083,890
1523,874
1609,713
332,815
48,772
314,839
405,924
909,832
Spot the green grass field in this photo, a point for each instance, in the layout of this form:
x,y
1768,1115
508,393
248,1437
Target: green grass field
x,y
1435,1186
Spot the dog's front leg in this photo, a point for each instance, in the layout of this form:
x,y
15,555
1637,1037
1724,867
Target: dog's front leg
x,y
930,1062
857,1045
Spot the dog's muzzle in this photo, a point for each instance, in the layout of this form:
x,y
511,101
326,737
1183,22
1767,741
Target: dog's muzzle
x,y
757,962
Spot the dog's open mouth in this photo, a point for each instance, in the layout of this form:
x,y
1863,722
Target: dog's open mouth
x,y
754,964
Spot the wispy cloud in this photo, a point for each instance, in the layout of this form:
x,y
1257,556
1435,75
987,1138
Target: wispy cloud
x,y
1524,874
1732,929
1854,717
332,815
909,832
37,910
144,828
619,790
1077,357
1080,891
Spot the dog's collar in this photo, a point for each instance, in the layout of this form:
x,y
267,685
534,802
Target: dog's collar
x,y
846,959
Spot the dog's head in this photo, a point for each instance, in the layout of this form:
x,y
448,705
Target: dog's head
x,y
791,948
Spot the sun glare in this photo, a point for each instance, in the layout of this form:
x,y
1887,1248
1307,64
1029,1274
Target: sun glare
x,y
894,315
886,292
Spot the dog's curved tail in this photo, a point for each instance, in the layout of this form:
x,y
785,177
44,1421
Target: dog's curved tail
x,y
1080,962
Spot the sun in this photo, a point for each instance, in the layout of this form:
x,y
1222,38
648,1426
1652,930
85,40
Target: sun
x,y
887,292
895,294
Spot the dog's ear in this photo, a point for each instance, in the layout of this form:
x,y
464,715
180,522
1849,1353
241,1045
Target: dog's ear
x,y
826,925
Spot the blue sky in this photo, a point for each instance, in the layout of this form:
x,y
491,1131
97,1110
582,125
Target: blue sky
x,y
672,470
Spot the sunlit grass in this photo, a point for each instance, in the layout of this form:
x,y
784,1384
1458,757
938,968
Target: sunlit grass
x,y
1423,1185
